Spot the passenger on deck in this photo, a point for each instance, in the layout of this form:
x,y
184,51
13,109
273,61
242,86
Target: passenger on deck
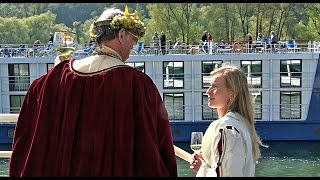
x,y
222,44
163,43
193,50
37,42
249,40
51,37
156,43
230,145
274,39
204,39
260,37
95,116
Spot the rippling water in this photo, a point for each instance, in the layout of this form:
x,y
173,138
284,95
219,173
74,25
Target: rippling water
x,y
281,159
3,167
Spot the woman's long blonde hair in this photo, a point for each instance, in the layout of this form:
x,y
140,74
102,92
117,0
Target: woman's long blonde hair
x,y
242,103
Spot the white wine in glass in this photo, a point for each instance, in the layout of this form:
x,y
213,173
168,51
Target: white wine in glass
x,y
196,141
65,42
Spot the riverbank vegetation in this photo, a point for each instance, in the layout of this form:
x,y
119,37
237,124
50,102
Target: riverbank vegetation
x,y
184,22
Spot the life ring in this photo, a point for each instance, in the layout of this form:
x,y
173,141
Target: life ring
x,y
237,47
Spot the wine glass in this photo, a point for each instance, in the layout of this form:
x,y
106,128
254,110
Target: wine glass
x,y
196,141
64,42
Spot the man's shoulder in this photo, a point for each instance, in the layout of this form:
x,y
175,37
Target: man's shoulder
x,y
141,76
138,72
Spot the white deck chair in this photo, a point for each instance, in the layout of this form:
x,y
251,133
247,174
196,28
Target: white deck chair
x,y
174,48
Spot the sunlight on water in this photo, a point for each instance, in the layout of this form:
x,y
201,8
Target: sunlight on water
x,y
281,159
4,167
289,167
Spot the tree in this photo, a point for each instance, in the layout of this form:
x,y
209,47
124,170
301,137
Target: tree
x,y
244,12
76,27
13,31
39,26
284,11
178,21
313,12
84,36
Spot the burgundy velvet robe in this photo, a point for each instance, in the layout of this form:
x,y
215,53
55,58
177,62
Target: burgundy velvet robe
x,y
112,124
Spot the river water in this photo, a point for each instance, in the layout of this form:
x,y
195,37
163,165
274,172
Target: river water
x,y
281,159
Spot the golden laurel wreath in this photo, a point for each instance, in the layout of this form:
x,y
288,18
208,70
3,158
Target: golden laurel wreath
x,y
127,21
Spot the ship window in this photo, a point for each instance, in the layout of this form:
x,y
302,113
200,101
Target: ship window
x,y
256,95
290,73
10,132
173,75
138,65
15,103
253,70
49,66
212,114
19,77
290,105
207,112
174,103
207,67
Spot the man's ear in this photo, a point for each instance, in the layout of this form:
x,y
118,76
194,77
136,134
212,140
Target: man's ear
x,y
121,35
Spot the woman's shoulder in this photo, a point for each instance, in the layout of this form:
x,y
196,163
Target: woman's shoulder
x,y
231,119
230,116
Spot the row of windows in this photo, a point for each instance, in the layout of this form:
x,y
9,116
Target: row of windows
x,y
23,69
19,76
173,72
290,72
173,75
290,75
290,105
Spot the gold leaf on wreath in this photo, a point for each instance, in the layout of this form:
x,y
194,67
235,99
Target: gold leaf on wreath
x,y
126,11
136,16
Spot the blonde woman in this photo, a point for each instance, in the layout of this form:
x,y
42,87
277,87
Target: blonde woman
x,y
230,146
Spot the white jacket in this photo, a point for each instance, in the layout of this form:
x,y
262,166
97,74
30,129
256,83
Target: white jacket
x,y
235,157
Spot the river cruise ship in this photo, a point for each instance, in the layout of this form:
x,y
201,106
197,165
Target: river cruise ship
x,y
284,83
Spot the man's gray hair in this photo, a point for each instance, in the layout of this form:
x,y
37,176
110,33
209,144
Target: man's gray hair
x,y
104,32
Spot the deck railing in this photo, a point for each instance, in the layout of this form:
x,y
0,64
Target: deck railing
x,y
8,118
5,154
14,50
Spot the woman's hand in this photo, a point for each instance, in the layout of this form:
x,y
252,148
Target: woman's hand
x,y
196,163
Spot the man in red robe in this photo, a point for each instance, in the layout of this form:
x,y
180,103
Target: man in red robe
x,y
95,116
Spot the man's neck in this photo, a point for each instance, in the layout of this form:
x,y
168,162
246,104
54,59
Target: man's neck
x,y
115,46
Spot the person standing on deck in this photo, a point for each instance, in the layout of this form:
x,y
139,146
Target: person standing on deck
x,y
274,39
156,43
205,41
95,116
249,40
210,41
51,37
163,43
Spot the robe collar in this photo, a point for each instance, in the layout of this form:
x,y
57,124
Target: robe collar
x,y
96,63
106,50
